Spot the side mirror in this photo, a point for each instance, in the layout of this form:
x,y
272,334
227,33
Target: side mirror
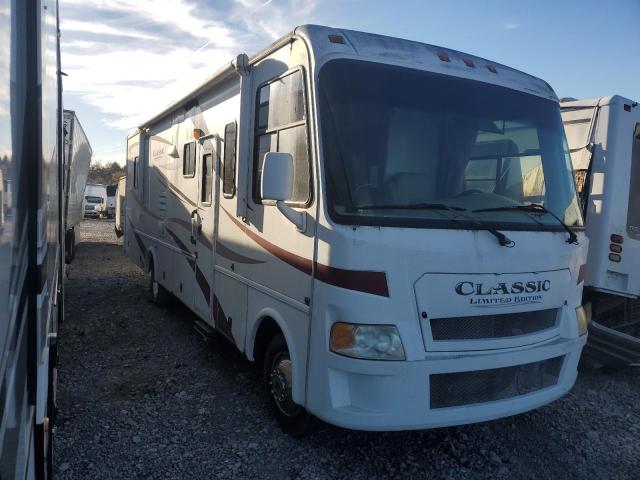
x,y
277,184
277,177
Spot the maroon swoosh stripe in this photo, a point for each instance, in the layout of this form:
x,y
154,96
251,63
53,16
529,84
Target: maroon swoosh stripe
x,y
374,283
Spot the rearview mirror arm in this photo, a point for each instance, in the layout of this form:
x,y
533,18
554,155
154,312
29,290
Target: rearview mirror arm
x,y
299,219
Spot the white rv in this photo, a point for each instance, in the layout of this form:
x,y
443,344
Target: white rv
x,y
111,200
120,206
604,139
391,227
95,200
77,159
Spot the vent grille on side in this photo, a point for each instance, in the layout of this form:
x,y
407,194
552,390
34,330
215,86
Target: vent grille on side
x,y
493,326
467,388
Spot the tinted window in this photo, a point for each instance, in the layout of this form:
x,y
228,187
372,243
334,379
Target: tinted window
x,y
396,139
207,174
189,159
633,211
229,173
281,127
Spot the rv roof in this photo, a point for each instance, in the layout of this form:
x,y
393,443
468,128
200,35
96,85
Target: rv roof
x,y
592,102
324,43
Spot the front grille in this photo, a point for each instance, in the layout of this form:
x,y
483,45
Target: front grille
x,y
493,326
466,388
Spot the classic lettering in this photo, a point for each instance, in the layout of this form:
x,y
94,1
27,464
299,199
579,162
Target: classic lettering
x,y
480,289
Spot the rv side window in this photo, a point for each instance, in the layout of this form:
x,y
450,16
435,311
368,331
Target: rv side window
x,y
229,173
135,172
633,209
281,127
207,174
189,159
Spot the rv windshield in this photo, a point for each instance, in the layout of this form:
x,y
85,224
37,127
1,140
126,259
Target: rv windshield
x,y
398,142
91,199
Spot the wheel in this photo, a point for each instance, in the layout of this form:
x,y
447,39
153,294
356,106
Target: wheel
x,y
292,418
159,295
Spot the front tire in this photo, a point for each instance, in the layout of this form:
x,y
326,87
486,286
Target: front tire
x,y
292,418
158,294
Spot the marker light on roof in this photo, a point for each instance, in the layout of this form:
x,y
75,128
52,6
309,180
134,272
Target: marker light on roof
x,y
492,69
443,57
468,62
336,39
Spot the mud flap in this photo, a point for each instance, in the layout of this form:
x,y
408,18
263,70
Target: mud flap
x,y
610,348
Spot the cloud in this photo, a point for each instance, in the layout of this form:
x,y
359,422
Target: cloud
x,y
129,58
511,26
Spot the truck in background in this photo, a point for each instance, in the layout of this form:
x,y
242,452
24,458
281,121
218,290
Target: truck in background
x,y
604,141
95,200
120,206
77,159
364,216
111,200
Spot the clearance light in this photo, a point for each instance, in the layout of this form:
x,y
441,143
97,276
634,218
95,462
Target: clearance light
x,y
615,248
443,56
372,342
336,39
468,62
614,257
617,238
197,133
492,69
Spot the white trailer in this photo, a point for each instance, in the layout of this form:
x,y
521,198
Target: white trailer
x,y
77,159
120,206
95,200
390,227
31,236
604,140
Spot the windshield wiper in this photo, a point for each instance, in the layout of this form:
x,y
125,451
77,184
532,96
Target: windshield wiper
x,y
534,208
411,206
503,240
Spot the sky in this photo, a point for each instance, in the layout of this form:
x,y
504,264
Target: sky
x,y
127,59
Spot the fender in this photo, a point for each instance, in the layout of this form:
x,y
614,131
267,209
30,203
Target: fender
x,y
297,387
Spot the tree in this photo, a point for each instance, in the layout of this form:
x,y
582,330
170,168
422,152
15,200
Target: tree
x,y
107,174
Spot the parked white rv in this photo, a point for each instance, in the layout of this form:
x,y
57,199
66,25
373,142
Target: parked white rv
x,y
31,247
95,200
77,159
120,206
604,139
111,200
391,227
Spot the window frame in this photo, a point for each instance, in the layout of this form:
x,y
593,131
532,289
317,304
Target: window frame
x,y
258,132
634,171
136,161
184,159
203,179
226,163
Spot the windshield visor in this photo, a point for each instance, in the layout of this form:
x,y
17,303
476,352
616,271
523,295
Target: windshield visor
x,y
398,141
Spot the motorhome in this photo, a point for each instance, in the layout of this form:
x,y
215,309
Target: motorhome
x,y
111,200
604,140
391,228
120,206
31,247
77,159
95,200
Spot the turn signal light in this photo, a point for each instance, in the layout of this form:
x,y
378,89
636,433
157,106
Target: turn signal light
x,y
615,248
614,257
617,238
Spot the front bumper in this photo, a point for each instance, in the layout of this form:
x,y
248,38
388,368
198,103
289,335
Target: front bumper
x,y
382,395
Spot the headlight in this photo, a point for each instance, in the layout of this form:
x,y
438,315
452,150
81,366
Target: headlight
x,y
583,317
373,342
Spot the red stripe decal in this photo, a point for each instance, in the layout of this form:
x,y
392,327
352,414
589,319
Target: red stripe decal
x,y
374,283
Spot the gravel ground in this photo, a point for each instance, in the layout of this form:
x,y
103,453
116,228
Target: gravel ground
x,y
141,395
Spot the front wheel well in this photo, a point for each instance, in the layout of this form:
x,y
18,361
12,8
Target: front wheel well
x,y
266,331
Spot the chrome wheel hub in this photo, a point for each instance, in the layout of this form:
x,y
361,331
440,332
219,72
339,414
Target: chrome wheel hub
x,y
280,384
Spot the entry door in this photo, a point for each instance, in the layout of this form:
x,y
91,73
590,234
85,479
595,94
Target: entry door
x,y
203,221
